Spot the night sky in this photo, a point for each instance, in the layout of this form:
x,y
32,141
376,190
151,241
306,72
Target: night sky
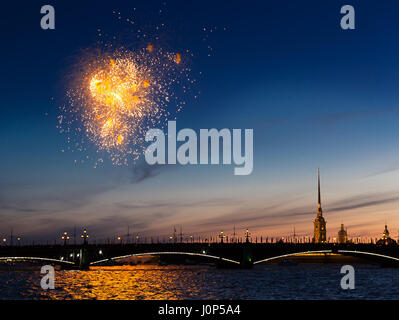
x,y
315,95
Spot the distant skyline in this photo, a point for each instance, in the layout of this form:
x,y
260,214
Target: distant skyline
x,y
314,94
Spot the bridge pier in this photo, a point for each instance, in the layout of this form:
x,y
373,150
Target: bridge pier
x,y
84,259
246,260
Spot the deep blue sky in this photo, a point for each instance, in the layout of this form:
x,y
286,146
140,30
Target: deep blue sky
x,y
314,94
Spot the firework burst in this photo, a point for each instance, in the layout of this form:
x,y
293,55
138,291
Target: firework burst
x,y
117,95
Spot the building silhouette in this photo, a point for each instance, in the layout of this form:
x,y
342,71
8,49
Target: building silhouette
x,y
342,235
320,231
386,239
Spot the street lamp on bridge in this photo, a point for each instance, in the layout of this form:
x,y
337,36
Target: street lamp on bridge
x,y
221,236
65,238
247,235
85,236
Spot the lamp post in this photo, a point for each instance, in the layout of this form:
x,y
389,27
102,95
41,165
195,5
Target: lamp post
x,y
85,236
221,236
247,235
65,238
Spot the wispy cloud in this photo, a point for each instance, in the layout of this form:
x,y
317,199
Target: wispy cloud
x,y
46,201
362,202
276,217
334,117
393,167
144,171
178,203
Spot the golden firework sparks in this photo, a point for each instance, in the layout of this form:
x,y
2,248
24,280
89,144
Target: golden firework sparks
x,y
116,96
178,58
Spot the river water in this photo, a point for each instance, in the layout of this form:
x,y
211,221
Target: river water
x,y
204,282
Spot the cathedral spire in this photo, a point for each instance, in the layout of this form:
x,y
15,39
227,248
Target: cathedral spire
x,y
320,232
318,184
319,211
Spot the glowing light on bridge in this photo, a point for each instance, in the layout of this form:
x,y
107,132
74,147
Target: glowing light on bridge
x,y
291,254
34,259
65,237
369,253
85,236
165,253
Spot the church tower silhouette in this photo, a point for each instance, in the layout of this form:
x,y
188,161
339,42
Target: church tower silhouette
x,y
320,231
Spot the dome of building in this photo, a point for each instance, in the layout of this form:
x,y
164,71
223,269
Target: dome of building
x,y
386,239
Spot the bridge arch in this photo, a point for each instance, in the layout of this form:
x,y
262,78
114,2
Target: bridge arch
x,y
290,255
345,252
35,259
355,252
166,253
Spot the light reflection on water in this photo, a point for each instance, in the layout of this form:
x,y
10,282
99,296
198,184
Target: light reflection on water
x,y
203,282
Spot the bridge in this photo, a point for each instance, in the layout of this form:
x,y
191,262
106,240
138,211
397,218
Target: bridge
x,y
234,255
